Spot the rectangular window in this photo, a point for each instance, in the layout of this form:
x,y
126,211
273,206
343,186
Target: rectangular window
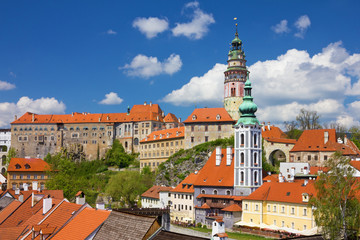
x,y
283,209
305,212
256,207
206,138
274,209
206,128
309,157
325,157
219,128
192,139
246,206
192,128
292,210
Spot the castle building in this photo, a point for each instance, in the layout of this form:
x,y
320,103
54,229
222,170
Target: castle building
x,y
248,164
235,77
36,135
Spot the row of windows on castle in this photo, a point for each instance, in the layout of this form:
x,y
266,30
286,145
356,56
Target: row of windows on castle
x,y
158,154
206,128
59,128
309,158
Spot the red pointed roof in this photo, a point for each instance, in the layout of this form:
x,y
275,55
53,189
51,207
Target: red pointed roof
x,y
209,115
186,185
170,118
232,208
212,175
204,206
273,132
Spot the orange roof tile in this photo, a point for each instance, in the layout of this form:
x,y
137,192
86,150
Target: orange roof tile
x,y
28,165
290,192
221,235
204,206
209,115
315,170
11,232
232,208
170,118
165,134
281,140
78,193
238,198
271,178
274,132
83,224
215,196
186,185
355,164
154,191
9,209
212,175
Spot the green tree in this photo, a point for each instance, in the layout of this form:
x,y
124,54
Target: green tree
x,y
292,130
116,156
127,186
355,135
11,154
337,208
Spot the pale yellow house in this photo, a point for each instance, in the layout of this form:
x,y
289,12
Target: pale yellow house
x,y
182,200
280,206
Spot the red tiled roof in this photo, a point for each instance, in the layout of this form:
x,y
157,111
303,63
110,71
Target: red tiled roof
x,y
290,192
204,206
83,224
314,170
154,191
8,210
165,134
11,232
232,208
212,175
313,141
221,235
271,178
28,165
238,198
170,118
274,132
281,140
209,115
215,196
78,193
186,185
355,164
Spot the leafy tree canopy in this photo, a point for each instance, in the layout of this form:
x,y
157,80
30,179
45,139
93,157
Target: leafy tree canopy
x,y
116,156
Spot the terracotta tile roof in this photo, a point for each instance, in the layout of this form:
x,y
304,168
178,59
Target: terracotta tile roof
x,y
290,192
274,132
315,170
281,140
238,198
232,208
186,185
313,141
355,164
78,193
221,235
271,178
83,224
165,235
165,134
28,165
351,145
9,209
215,196
121,225
11,232
170,118
209,115
137,113
154,191
204,206
212,175
5,201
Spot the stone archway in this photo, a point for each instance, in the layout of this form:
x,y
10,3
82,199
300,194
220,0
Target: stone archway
x,y
277,156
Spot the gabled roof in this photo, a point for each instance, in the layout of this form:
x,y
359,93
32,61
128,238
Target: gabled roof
x,y
4,213
170,117
186,185
315,170
281,140
232,208
274,132
165,134
271,178
212,175
355,164
204,206
154,191
121,225
83,224
289,192
209,115
28,165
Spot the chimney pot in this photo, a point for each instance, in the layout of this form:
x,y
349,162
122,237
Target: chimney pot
x,y
218,156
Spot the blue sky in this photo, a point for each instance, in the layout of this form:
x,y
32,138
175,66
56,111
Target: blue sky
x,y
101,56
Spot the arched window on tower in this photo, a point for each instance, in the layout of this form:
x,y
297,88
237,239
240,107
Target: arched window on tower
x,y
255,140
255,178
242,139
242,158
233,92
255,159
242,177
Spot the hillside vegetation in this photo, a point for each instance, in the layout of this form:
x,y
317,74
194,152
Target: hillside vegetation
x,y
184,162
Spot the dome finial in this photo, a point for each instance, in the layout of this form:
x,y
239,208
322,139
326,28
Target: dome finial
x,y
236,27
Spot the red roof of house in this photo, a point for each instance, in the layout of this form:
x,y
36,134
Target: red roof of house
x,y
232,208
215,196
28,165
355,164
154,191
204,206
281,140
221,235
170,117
186,185
315,170
271,178
274,132
83,224
4,213
212,175
290,192
314,141
165,134
209,115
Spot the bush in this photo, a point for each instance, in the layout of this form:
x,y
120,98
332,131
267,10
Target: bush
x,y
199,225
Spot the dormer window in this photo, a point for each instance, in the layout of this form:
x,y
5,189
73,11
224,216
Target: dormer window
x,y
218,117
305,197
194,117
17,166
154,137
27,166
168,134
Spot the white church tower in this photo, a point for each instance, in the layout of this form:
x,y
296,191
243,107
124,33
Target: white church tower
x,y
248,153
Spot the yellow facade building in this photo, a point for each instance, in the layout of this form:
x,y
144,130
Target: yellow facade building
x,y
280,205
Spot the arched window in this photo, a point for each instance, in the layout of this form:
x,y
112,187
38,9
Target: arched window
x,y
242,158
203,191
228,192
3,160
255,178
215,192
242,177
136,141
126,144
255,159
242,139
255,140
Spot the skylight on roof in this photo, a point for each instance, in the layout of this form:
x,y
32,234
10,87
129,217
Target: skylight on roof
x,y
288,194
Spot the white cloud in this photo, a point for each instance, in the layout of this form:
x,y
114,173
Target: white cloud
x,y
111,99
204,89
144,66
111,32
25,104
281,27
151,26
6,85
302,24
197,27
323,82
